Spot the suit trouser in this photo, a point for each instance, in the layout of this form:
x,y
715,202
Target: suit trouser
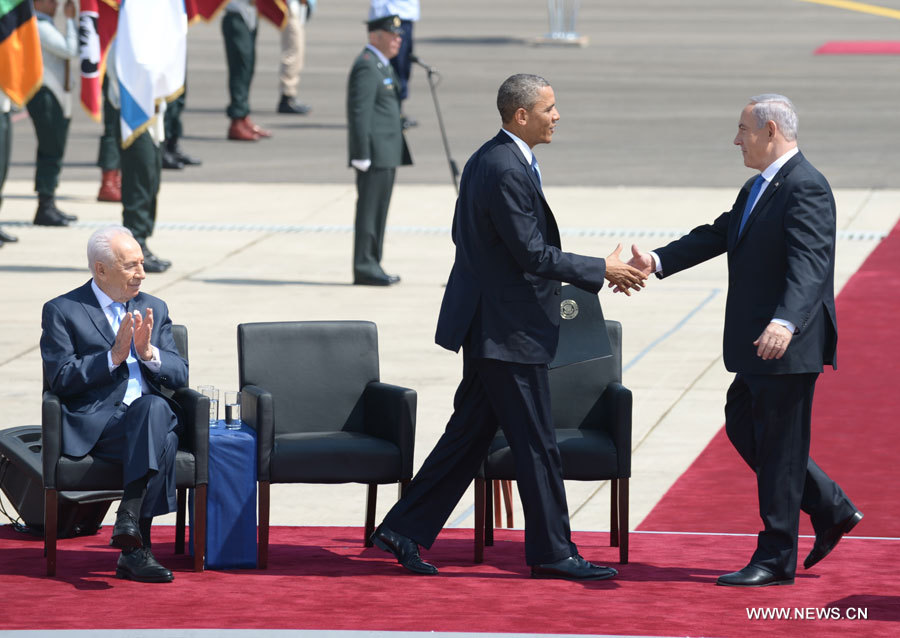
x,y
516,397
768,420
5,148
240,52
52,129
293,52
142,437
141,171
108,157
373,197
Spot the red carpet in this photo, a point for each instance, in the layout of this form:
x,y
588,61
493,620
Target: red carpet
x,y
859,48
321,578
855,435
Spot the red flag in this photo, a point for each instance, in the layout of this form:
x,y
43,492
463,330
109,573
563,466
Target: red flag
x,y
97,25
204,10
275,11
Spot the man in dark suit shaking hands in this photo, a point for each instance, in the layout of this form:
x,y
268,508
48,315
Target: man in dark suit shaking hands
x,y
780,330
107,348
501,305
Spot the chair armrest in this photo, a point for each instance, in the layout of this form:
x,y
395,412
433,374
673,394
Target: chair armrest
x,y
615,418
51,437
390,414
195,409
257,411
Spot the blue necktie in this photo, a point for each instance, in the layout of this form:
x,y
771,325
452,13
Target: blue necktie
x,y
754,191
133,391
537,171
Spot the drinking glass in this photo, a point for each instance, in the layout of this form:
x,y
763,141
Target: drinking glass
x,y
213,393
233,410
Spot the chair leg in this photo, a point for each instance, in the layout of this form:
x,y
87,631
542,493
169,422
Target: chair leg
x,y
480,511
498,500
371,499
51,504
614,513
623,521
488,520
199,527
506,486
401,491
180,510
262,552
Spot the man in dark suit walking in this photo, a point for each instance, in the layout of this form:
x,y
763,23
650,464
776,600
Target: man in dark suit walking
x,y
376,146
107,348
501,306
780,330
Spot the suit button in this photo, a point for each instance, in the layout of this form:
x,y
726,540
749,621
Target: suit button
x,y
118,403
556,292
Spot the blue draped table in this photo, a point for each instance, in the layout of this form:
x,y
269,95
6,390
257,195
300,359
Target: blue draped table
x,y
231,499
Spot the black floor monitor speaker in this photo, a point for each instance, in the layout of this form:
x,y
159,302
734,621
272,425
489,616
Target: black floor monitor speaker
x,y
80,513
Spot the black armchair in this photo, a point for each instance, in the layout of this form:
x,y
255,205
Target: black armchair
x,y
591,414
311,391
65,473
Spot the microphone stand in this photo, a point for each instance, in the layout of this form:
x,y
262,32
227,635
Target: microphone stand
x,y
454,171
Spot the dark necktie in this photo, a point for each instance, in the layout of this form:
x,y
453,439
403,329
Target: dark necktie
x,y
537,171
754,191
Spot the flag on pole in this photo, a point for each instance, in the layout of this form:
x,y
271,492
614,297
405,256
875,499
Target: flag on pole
x,y
275,11
151,45
21,65
204,10
97,23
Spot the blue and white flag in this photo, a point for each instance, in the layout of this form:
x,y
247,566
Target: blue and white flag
x,y
151,49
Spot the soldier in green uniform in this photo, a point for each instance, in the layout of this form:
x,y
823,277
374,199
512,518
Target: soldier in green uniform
x,y
51,108
376,145
5,146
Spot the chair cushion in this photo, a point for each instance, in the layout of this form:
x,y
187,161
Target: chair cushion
x,y
334,457
90,473
587,455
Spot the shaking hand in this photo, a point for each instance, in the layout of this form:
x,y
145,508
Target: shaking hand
x,y
621,276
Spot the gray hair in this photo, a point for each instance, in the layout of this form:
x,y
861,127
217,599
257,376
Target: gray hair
x,y
520,91
779,109
99,248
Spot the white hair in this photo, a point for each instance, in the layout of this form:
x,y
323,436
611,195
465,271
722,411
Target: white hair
x,y
779,109
99,248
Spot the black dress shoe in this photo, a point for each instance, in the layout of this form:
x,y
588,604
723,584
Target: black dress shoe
x,y
126,533
157,262
184,158
366,280
140,565
49,216
152,263
6,238
827,540
752,576
404,549
291,105
572,568
169,160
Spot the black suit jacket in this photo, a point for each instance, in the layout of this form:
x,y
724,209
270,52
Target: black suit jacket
x,y
502,298
75,340
781,266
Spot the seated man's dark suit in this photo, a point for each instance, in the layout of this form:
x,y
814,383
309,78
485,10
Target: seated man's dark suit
x,y
781,266
501,306
75,343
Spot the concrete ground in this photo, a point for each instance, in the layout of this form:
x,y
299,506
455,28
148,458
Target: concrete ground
x,y
264,231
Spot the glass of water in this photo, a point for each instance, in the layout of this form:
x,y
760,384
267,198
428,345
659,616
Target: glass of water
x,y
213,393
233,410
